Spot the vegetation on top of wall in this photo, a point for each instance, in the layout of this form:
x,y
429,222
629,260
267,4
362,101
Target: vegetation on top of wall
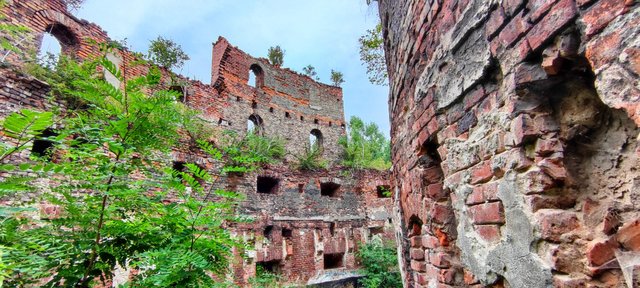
x,y
247,153
107,191
276,55
311,72
380,265
311,159
365,147
166,53
336,78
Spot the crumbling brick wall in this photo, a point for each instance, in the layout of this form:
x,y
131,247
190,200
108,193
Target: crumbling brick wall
x,y
514,140
289,105
308,224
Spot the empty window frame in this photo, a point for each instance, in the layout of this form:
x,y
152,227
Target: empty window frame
x,y
267,184
255,124
330,189
256,76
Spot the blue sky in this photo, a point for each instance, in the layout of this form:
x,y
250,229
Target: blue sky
x,y
321,33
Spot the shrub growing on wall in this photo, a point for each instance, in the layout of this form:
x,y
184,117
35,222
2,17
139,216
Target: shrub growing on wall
x,y
112,199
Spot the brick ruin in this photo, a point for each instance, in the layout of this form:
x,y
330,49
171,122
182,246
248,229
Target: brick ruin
x,y
515,130
307,224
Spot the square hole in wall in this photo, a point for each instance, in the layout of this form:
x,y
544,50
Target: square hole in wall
x,y
332,261
268,232
376,231
42,147
383,191
329,189
287,233
267,184
274,266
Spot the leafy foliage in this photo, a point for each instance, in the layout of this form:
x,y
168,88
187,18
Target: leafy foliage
x,y
264,279
247,153
311,159
276,55
372,55
311,72
115,203
365,146
166,53
380,264
336,78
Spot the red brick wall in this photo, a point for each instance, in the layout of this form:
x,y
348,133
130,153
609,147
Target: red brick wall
x,y
514,139
226,104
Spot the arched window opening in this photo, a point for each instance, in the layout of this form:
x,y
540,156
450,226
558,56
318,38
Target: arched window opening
x,y
49,52
182,96
316,121
301,118
56,39
256,76
315,139
286,114
254,124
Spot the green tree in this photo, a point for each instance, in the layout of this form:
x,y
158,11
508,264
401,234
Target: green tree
x,y
166,53
380,265
276,55
336,78
372,55
365,146
311,72
106,178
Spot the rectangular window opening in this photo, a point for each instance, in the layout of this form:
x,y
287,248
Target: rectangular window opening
x,y
287,233
267,184
332,261
383,191
269,266
329,189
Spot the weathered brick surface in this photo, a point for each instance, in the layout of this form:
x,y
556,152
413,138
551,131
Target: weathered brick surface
x,y
296,226
532,107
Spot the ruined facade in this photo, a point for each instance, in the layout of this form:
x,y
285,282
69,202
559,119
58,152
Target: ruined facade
x,y
307,224
515,141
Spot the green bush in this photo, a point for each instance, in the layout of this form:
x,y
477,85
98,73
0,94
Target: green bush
x,y
265,279
311,159
380,265
365,147
245,154
110,190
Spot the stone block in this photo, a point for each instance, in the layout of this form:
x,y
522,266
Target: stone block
x,y
416,253
489,233
553,224
629,235
487,213
601,252
564,12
